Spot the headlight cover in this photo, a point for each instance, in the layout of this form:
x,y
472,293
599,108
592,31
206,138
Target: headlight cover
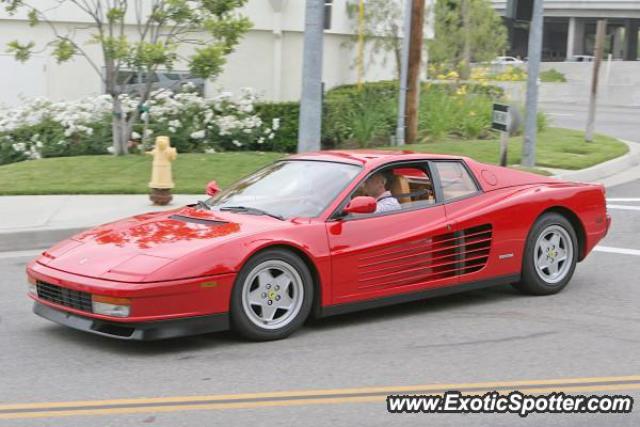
x,y
109,306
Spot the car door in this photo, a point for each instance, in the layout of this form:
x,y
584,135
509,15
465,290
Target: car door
x,y
483,251
402,251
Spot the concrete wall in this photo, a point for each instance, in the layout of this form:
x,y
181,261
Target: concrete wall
x,y
619,84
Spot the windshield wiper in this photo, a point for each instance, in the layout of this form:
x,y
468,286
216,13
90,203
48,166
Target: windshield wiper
x,y
251,211
203,205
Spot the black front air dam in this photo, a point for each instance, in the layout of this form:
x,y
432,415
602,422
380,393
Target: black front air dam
x,y
147,331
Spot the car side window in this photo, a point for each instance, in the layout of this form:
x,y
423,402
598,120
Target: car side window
x,y
399,187
455,180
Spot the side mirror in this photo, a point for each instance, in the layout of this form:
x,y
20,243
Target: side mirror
x,y
361,205
212,188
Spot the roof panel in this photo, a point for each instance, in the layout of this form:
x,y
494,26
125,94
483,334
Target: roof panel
x,y
369,156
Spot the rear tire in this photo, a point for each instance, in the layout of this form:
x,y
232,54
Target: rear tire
x,y
550,256
272,296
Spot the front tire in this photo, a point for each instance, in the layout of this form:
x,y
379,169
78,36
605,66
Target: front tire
x,y
272,296
550,256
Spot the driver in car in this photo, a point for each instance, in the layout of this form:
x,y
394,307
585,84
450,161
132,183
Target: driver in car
x,y
375,187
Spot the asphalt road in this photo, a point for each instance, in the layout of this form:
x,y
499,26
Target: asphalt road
x,y
621,122
592,329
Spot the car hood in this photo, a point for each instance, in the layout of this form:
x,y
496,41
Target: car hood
x,y
131,249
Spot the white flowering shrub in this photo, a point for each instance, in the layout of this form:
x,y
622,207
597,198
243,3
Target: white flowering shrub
x,y
41,128
224,122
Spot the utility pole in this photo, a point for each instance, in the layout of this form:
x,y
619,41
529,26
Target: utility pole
x,y
601,30
404,71
310,124
414,69
533,70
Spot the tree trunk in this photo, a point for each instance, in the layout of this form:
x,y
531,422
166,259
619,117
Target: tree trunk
x,y
465,70
121,129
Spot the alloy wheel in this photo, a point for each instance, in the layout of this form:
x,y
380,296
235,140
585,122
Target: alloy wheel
x,y
272,294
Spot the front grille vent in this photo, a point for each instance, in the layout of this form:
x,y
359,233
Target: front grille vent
x,y
65,297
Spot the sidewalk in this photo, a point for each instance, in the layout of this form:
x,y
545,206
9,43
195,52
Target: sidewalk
x,y
28,222
20,213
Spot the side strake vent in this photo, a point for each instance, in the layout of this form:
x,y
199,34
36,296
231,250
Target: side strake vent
x,y
438,257
210,222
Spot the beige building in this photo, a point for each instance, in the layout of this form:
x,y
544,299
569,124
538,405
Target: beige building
x,y
268,58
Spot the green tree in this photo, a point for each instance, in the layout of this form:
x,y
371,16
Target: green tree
x,y
466,31
139,35
382,30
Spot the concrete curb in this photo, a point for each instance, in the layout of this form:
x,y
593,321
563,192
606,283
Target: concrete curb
x,y
607,169
34,239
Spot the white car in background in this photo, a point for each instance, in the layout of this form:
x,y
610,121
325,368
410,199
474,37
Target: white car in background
x,y
507,60
133,82
580,58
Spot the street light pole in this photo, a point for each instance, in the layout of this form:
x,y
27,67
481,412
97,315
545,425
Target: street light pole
x,y
310,124
533,70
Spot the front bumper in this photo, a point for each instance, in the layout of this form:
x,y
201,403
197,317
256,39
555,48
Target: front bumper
x,y
143,331
150,302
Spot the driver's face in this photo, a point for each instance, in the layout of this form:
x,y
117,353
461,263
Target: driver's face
x,y
374,186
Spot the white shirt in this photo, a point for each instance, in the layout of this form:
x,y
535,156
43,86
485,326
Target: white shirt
x,y
386,202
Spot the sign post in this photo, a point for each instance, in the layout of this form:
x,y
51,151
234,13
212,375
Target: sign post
x,y
500,122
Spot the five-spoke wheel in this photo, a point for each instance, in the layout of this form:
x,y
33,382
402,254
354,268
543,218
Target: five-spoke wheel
x,y
272,295
551,254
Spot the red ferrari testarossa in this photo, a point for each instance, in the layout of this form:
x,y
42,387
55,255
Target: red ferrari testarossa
x,y
320,234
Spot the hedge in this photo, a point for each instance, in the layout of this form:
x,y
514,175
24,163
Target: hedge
x,y
352,116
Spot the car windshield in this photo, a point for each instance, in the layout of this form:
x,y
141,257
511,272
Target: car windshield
x,y
288,189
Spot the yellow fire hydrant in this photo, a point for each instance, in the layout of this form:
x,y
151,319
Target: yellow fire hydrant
x,y
161,176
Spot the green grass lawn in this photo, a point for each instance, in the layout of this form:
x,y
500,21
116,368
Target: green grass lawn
x,y
557,148
128,174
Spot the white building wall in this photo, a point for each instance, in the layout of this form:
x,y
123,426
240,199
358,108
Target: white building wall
x,y
255,63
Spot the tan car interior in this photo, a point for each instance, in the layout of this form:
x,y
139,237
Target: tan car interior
x,y
411,189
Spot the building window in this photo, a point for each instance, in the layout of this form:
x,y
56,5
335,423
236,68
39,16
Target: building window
x,y
328,7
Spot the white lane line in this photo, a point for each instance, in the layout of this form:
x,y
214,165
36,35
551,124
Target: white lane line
x,y
19,254
622,251
624,207
624,199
